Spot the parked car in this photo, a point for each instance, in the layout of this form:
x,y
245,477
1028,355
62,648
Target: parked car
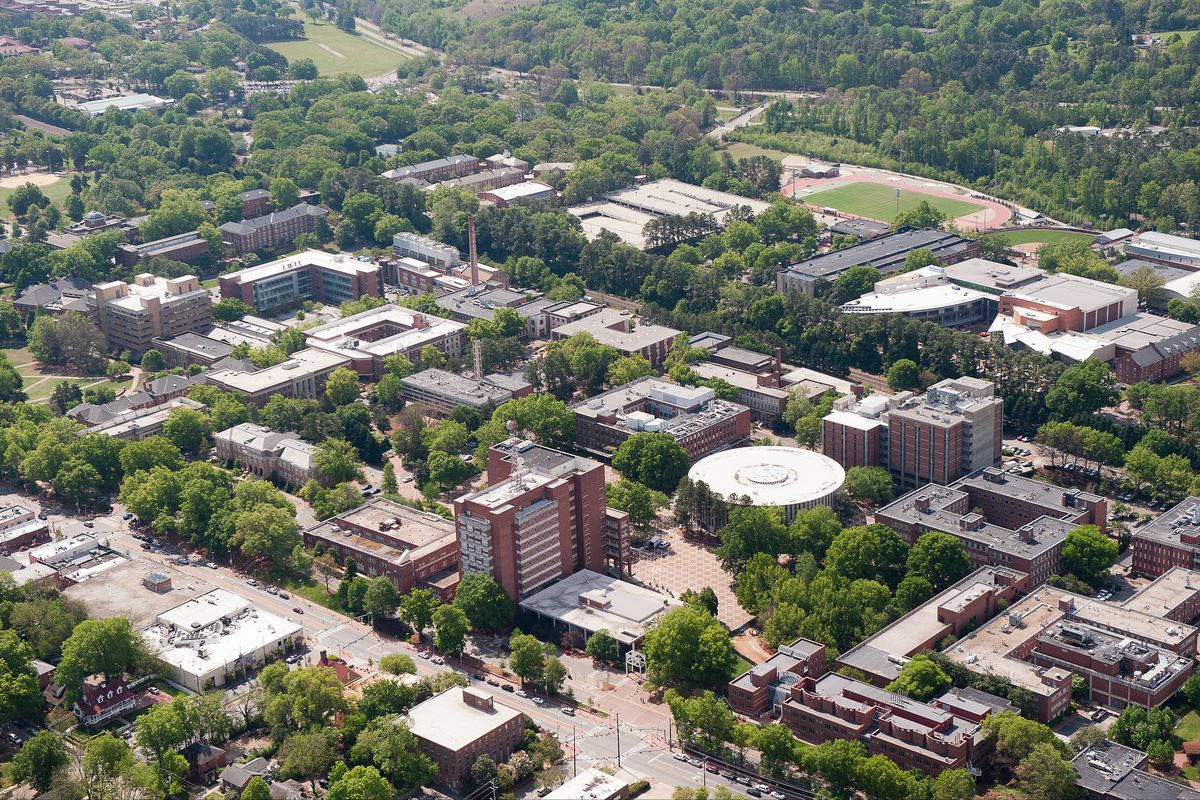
x,y
438,660
728,774
127,516
423,654
285,596
537,701
508,687
89,524
711,768
211,565
778,795
522,693
252,582
298,609
743,780
43,515
679,757
570,712
493,682
754,792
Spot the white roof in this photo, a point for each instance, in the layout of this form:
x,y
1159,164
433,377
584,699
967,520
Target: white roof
x,y
623,609
304,362
447,720
771,476
926,298
130,101
342,336
1153,241
519,190
338,262
851,420
643,334
590,784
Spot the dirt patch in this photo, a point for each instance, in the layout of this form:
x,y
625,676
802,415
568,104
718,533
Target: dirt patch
x,y
493,9
36,178
330,50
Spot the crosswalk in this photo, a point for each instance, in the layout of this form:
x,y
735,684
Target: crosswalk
x,y
633,741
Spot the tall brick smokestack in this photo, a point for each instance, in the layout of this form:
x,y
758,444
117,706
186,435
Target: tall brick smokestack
x,y
471,244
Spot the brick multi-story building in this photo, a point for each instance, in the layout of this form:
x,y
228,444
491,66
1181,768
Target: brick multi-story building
x,y
692,415
1002,520
759,692
913,734
953,429
191,348
1173,595
1110,771
268,454
255,203
1172,540
368,337
440,169
271,230
1126,656
541,518
952,612
133,315
311,275
459,726
20,528
101,700
185,247
413,549
1064,302
443,391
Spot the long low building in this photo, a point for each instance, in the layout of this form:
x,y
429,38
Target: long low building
x,y
367,338
626,212
312,275
20,528
302,375
409,547
216,637
444,391
136,424
1001,519
885,254
587,602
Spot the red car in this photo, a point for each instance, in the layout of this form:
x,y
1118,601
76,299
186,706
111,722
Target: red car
x,y
711,768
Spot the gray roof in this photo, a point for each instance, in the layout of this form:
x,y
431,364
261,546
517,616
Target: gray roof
x,y
862,228
39,294
249,226
171,383
1167,273
239,775
1111,770
885,254
200,344
255,194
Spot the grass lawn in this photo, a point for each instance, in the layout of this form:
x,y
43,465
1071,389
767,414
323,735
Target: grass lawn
x,y
1188,727
313,591
334,51
1045,237
742,666
19,356
877,201
738,150
1186,36
57,192
46,388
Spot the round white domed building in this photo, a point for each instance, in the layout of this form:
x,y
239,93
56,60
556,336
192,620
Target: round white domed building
x,y
788,478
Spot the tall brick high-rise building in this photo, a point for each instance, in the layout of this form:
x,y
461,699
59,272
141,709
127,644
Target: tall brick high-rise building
x,y
541,518
952,430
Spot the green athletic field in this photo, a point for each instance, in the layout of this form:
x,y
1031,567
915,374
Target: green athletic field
x,y
877,201
1035,236
334,51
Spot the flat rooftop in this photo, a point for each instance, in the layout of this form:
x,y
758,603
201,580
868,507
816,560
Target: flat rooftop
x,y
337,262
448,720
623,609
913,301
459,388
1112,770
541,458
193,640
875,252
1165,243
1166,593
590,784
600,326
416,528
991,274
381,332
1181,520
1065,291
888,650
738,378
1135,331
308,361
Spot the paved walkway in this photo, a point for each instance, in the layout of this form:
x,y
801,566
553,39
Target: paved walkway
x,y
688,565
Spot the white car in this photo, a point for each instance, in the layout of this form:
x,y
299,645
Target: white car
x,y
522,693
423,654
779,795
679,757
537,701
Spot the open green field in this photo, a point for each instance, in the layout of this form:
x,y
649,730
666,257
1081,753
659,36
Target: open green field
x,y
334,51
1034,236
58,191
1186,36
876,201
739,150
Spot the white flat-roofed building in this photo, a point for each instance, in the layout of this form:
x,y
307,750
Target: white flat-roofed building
x,y
216,635
625,212
130,102
1165,248
422,248
459,726
948,306
20,527
524,192
302,375
588,602
76,558
367,338
591,784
